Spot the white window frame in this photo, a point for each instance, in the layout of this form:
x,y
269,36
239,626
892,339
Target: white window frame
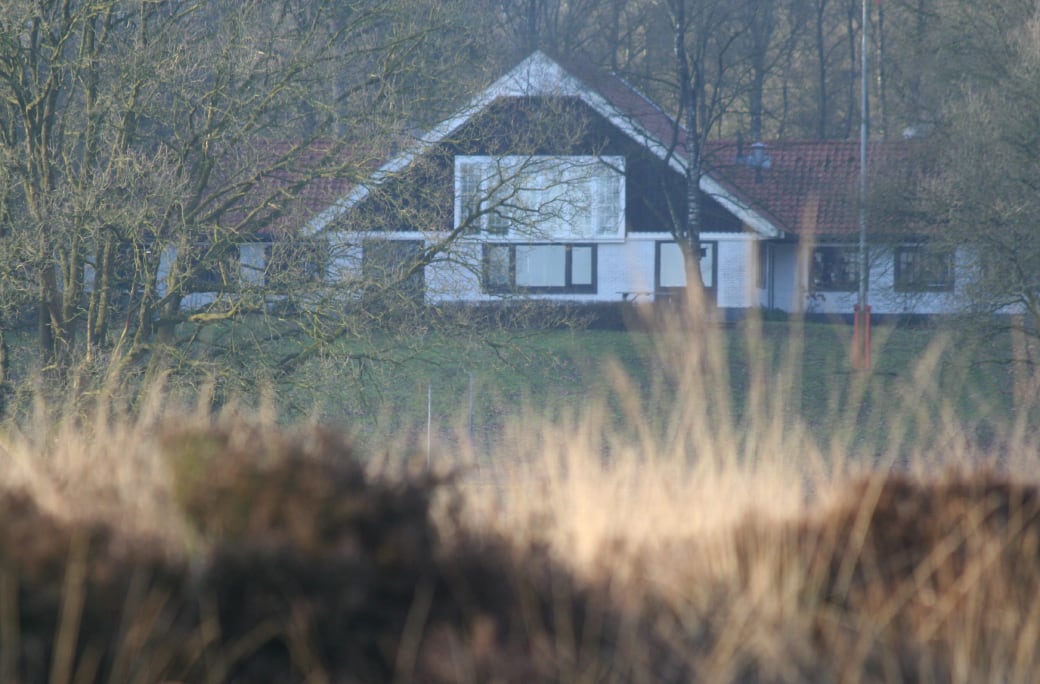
x,y
548,197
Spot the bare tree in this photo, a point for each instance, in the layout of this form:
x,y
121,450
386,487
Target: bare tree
x,y
982,195
706,36
144,144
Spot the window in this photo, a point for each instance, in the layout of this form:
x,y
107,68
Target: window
x,y
671,267
214,269
919,269
834,268
468,181
394,266
548,196
537,268
289,263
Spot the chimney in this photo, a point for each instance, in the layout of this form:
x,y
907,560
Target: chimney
x,y
759,159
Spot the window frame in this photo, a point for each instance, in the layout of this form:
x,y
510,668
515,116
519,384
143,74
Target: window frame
x,y
705,247
494,179
907,276
569,287
849,252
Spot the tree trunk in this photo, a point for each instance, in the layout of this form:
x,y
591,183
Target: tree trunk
x,y
761,23
850,104
532,37
5,367
821,74
100,299
881,72
689,232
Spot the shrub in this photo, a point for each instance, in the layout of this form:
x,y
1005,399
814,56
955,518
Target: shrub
x,y
306,568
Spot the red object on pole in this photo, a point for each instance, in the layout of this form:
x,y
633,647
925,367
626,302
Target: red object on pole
x,y
866,338
855,337
861,338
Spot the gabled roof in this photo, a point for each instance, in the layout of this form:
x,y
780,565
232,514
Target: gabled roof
x,y
607,94
807,186
283,183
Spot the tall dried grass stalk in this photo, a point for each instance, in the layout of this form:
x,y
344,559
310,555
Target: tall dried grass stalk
x,y
659,524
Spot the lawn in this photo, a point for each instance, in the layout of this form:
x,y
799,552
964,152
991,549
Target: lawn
x,y
921,376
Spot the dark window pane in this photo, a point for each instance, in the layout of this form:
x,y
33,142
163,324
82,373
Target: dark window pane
x,y
835,269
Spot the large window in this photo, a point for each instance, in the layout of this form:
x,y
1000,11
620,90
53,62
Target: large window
x,y
835,268
548,197
539,268
919,269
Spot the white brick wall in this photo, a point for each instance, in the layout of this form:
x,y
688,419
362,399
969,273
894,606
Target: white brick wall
x,y
882,296
735,272
621,267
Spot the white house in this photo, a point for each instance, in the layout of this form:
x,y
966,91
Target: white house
x,y
561,182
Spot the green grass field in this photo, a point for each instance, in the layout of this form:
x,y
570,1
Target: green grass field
x,y
474,387
918,374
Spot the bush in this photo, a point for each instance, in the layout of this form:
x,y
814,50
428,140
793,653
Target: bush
x,y
909,580
304,567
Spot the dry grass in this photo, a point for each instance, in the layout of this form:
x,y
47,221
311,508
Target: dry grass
x,y
780,558
678,545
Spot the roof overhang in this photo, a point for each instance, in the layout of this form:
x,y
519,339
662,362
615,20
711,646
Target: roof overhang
x,y
755,221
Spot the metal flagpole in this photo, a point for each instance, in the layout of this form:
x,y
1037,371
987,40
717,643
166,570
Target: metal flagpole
x,y
861,327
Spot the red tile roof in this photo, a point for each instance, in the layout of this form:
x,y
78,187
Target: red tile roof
x,y
808,186
293,181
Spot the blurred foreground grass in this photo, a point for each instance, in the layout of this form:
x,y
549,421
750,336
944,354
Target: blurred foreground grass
x,y
697,504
